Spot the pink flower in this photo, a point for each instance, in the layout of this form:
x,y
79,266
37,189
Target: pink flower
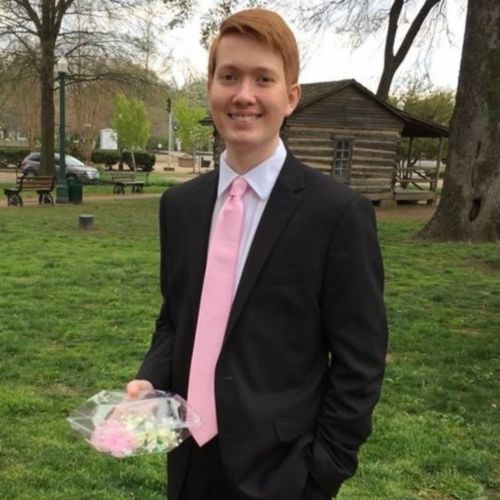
x,y
112,437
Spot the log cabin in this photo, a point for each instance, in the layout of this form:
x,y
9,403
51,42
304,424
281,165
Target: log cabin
x,y
345,131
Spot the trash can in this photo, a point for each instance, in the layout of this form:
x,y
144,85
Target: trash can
x,y
74,190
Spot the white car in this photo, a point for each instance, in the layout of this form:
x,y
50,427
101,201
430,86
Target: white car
x,y
75,169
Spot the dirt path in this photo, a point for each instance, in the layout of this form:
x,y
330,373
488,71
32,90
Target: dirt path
x,y
401,212
405,212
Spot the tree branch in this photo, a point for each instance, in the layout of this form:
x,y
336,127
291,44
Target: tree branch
x,y
413,31
392,29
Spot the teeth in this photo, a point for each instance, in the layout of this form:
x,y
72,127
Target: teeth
x,y
244,118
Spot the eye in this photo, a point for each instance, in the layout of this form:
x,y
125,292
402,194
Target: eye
x,y
227,77
264,80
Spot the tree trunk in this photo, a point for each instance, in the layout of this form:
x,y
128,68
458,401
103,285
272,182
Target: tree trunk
x,y
469,209
134,166
384,85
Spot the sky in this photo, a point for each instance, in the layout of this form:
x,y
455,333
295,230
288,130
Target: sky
x,y
330,57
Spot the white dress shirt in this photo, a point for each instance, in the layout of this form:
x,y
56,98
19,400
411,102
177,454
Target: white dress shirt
x,y
261,180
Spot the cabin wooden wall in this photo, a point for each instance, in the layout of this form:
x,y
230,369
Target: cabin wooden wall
x,y
311,134
373,155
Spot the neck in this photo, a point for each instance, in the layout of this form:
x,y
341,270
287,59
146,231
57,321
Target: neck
x,y
242,160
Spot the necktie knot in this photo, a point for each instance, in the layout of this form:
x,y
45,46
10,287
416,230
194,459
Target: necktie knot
x,y
238,187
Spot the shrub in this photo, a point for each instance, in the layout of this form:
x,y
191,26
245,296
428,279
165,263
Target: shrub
x,y
13,155
107,157
143,160
77,150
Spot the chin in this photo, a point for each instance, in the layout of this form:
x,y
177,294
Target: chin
x,y
238,139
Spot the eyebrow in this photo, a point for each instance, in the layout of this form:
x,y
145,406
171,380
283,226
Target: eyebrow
x,y
258,69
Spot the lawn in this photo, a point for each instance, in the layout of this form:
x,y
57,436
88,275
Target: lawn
x,y
78,307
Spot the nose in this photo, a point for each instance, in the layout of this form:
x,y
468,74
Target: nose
x,y
244,94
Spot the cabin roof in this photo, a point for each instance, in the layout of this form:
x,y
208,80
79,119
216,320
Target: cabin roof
x,y
413,125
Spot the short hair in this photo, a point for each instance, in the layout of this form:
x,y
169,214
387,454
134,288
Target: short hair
x,y
264,26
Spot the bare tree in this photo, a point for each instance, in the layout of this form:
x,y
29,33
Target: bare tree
x,y
19,101
36,33
361,18
358,19
469,209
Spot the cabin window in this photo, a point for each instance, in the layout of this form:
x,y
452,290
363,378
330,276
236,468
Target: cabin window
x,y
342,155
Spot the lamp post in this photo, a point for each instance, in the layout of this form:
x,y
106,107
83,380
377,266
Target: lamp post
x,y
169,110
62,187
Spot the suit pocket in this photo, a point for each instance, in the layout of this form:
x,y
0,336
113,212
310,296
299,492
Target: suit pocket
x,y
289,429
288,277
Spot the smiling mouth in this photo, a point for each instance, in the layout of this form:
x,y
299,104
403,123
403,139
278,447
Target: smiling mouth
x,y
240,117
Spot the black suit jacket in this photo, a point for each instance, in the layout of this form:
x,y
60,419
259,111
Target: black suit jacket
x,y
302,362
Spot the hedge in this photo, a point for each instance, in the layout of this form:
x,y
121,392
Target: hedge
x,y
144,161
107,157
13,155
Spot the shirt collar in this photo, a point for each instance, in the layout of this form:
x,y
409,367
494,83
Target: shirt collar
x,y
261,178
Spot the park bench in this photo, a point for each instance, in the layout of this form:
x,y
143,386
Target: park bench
x,y
123,179
43,185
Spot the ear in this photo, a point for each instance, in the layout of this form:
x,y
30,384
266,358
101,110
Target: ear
x,y
294,93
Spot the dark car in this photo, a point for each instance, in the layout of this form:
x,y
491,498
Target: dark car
x,y
75,169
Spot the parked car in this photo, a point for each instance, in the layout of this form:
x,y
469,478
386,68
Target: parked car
x,y
75,169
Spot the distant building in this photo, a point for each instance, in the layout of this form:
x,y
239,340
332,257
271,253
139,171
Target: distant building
x,y
108,139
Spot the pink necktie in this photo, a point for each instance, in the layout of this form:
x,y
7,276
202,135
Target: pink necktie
x,y
215,305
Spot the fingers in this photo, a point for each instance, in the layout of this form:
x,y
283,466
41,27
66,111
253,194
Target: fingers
x,y
136,387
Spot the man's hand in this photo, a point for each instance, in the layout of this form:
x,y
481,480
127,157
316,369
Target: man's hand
x,y
136,387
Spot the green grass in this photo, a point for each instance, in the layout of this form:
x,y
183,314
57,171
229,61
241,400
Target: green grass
x,y
78,307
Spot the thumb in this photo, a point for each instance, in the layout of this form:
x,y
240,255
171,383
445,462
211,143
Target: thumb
x,y
135,387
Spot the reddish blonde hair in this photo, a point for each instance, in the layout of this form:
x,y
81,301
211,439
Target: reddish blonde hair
x,y
266,27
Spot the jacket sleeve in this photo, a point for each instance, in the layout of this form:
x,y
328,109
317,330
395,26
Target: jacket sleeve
x,y
354,322
156,366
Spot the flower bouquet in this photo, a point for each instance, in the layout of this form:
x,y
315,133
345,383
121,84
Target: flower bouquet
x,y
113,423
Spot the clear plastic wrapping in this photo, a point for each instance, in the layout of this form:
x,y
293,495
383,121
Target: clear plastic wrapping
x,y
112,423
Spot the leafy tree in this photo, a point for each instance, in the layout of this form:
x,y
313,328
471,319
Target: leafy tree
x,y
193,135
469,208
426,102
131,124
435,105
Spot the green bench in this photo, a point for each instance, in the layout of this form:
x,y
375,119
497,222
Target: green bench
x,y
123,179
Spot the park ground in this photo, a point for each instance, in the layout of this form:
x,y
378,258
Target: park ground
x,y
167,172
78,308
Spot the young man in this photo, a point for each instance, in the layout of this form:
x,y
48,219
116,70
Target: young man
x,y
273,323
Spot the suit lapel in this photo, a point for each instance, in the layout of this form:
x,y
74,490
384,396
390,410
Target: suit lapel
x,y
201,203
283,201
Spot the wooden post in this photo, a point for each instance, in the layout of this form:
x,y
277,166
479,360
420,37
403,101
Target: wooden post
x,y
438,165
85,221
406,171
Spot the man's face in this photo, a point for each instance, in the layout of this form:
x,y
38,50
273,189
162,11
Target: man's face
x,y
249,97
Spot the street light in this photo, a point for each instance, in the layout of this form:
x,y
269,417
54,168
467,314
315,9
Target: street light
x,y
62,187
169,111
